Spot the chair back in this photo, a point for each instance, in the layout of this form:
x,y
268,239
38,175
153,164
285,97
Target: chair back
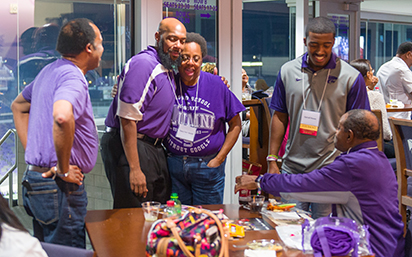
x,y
55,250
402,139
378,114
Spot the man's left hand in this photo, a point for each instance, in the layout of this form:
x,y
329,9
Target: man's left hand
x,y
75,175
225,81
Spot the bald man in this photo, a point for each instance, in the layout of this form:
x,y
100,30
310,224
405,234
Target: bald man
x,y
360,183
139,118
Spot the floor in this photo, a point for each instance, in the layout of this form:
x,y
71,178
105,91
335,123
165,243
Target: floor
x,y
26,220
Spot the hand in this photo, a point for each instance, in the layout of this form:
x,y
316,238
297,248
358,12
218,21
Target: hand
x,y
245,182
374,81
225,81
273,168
215,162
138,183
75,175
114,91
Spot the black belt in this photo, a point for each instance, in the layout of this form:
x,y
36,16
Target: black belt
x,y
37,168
150,140
143,137
110,129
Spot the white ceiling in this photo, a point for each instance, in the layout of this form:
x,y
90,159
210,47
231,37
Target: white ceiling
x,y
401,7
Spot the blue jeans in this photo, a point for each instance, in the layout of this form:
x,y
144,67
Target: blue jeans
x,y
194,182
58,209
317,209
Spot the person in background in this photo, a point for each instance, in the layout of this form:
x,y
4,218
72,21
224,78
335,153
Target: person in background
x,y
197,141
15,240
310,95
55,123
395,79
209,67
261,85
360,183
376,102
133,155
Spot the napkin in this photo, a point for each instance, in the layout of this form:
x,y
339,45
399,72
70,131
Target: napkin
x,y
259,253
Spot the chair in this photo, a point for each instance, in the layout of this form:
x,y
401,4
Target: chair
x,y
378,114
402,139
55,250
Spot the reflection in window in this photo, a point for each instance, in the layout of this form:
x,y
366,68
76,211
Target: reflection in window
x,y
379,41
25,52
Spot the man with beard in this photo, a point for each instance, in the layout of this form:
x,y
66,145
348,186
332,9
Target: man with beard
x,y
134,159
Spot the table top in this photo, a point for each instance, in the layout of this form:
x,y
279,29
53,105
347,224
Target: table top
x,y
406,108
123,232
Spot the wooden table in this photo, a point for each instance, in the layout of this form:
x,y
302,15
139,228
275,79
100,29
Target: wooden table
x,y
123,232
406,108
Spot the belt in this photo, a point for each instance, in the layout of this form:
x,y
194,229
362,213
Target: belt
x,y
110,129
37,168
150,140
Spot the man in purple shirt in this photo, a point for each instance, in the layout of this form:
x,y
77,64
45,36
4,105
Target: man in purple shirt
x,y
144,105
360,183
54,120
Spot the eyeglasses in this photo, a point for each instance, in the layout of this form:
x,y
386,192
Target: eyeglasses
x,y
372,71
186,58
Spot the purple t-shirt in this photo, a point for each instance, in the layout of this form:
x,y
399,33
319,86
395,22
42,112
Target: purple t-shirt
x,y
207,106
146,95
60,80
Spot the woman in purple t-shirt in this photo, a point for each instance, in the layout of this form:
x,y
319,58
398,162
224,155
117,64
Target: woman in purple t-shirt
x,y
197,142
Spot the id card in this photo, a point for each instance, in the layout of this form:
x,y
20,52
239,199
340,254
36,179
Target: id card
x,y
309,122
186,132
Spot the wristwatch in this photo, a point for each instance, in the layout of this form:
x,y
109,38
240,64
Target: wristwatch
x,y
64,175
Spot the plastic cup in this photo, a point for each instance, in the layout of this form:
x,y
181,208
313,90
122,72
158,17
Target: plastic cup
x,y
151,210
256,203
393,98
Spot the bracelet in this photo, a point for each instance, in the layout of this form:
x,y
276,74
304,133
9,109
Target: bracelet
x,y
272,158
259,189
64,175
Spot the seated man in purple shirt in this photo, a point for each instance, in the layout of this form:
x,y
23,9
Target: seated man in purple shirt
x,y
360,183
54,120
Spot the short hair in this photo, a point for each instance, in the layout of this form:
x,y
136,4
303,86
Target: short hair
x,y
74,37
362,65
363,123
404,48
198,39
209,67
320,25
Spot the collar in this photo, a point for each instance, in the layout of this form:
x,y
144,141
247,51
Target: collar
x,y
330,65
365,145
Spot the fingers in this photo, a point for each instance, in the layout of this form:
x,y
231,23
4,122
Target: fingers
x,y
47,174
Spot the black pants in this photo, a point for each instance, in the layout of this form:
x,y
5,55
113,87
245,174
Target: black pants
x,y
153,163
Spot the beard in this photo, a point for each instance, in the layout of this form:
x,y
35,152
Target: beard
x,y
165,58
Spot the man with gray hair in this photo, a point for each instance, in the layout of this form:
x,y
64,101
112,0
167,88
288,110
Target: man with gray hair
x,y
395,79
310,95
360,183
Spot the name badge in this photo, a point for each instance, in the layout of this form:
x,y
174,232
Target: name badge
x,y
309,123
186,132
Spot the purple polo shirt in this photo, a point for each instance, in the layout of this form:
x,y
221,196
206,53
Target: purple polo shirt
x,y
146,95
60,80
363,187
207,106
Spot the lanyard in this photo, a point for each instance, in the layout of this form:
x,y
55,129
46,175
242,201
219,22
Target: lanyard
x,y
183,97
173,88
369,148
303,91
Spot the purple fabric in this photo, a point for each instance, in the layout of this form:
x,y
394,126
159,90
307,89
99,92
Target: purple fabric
x,y
146,96
339,240
215,106
60,80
